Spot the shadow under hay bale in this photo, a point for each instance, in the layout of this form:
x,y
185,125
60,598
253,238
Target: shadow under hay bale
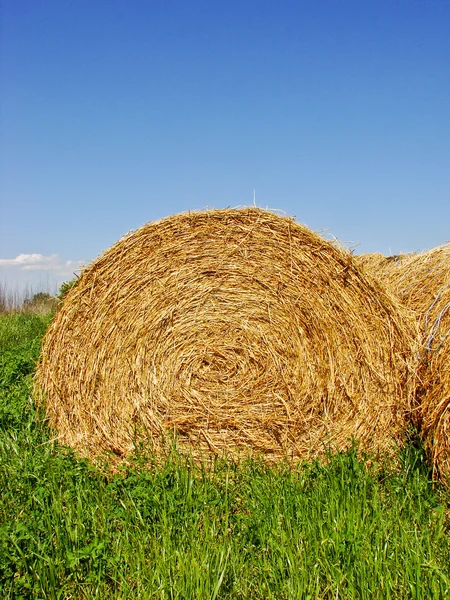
x,y
422,282
234,331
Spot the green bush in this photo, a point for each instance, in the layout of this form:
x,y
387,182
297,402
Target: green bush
x,y
66,286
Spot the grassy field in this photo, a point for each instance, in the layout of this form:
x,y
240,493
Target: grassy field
x,y
352,528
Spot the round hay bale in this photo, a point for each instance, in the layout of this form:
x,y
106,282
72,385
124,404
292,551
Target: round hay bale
x,y
382,267
422,282
372,261
231,331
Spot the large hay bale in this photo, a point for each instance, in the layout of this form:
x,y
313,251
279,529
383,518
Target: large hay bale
x,y
234,331
422,282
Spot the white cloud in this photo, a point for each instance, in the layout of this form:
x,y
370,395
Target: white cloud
x,y
41,262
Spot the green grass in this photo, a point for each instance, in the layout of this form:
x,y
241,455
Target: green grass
x,y
352,528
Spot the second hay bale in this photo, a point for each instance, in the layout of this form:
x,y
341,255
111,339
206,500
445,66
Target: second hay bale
x,y
234,331
422,282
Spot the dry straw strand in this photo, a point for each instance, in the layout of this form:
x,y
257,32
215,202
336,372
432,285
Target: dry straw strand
x,y
233,331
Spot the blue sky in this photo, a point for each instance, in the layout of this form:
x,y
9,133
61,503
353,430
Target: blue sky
x,y
118,112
